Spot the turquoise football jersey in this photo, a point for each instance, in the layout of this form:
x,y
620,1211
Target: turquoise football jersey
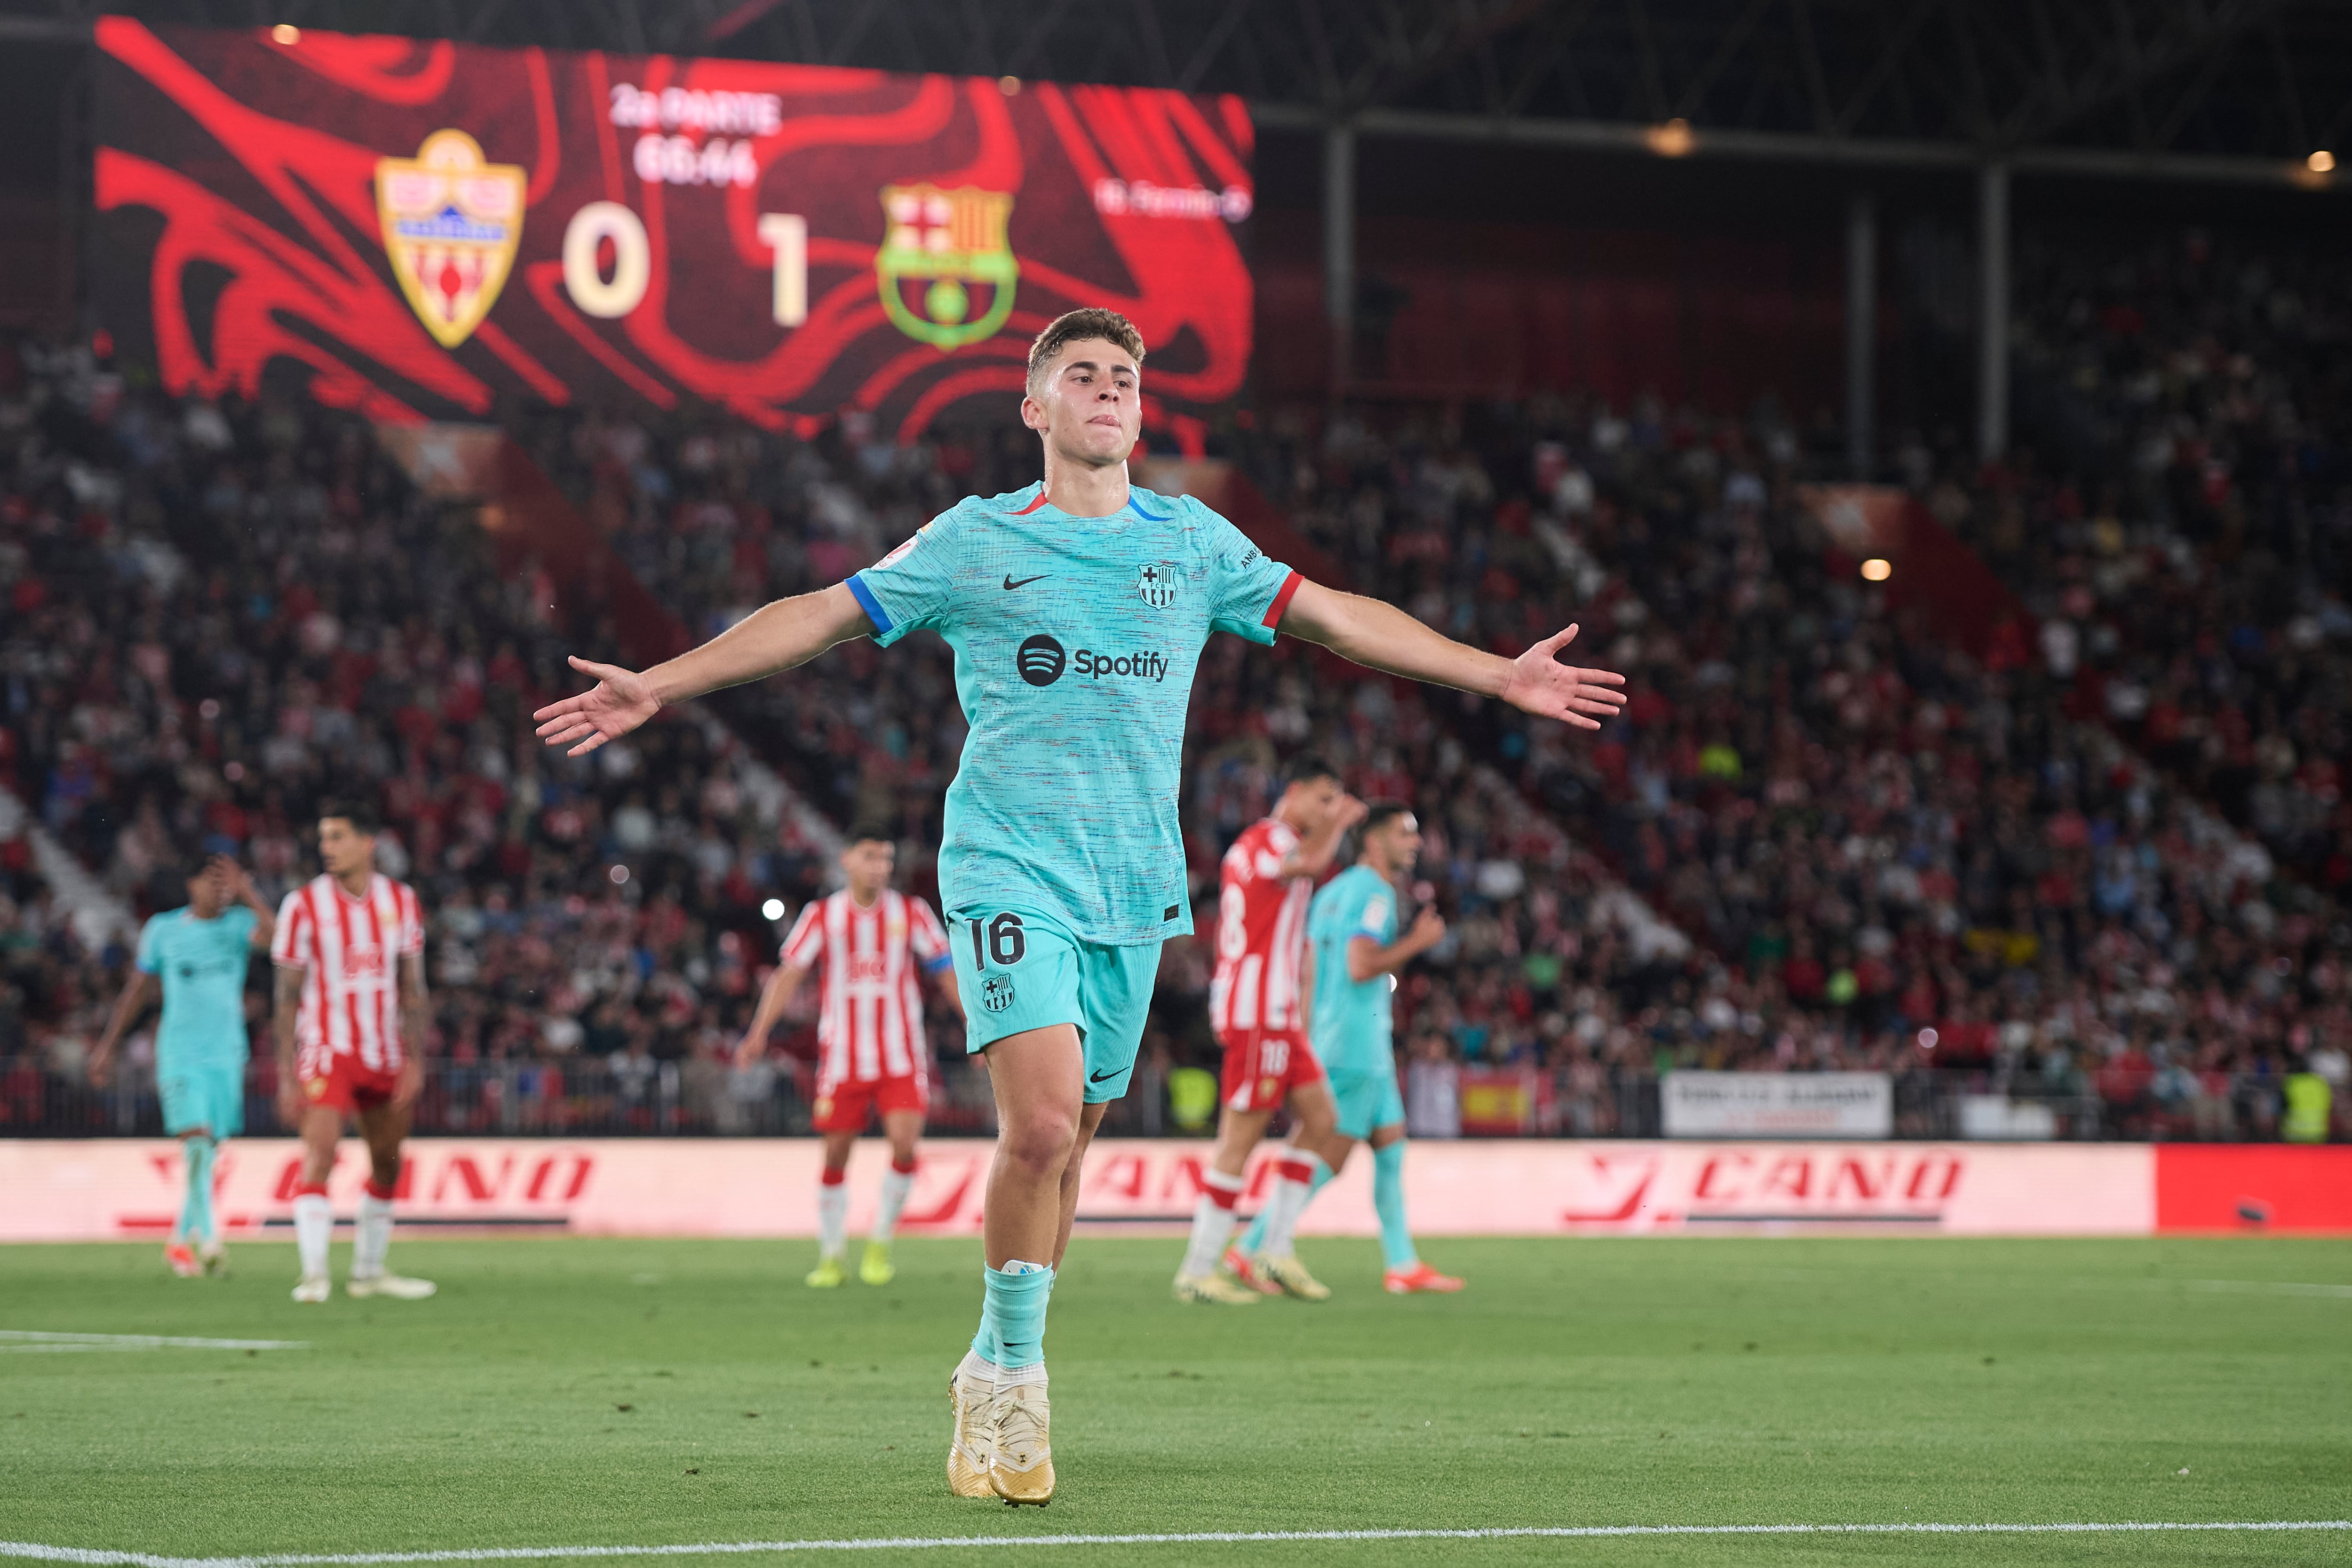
x,y
202,965
1353,1020
1076,639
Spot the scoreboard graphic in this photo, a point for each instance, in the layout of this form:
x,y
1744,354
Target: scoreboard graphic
x,y
417,228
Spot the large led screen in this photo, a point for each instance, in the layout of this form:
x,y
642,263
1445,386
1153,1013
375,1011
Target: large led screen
x,y
418,229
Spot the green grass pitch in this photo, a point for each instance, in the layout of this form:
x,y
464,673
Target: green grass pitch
x,y
565,1391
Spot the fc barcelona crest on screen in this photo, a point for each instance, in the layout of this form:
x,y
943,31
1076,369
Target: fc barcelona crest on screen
x,y
1157,583
451,223
940,248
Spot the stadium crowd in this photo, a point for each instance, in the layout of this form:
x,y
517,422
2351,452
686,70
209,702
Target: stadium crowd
x,y
2017,871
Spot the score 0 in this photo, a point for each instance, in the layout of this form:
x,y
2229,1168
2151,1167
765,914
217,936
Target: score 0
x,y
784,234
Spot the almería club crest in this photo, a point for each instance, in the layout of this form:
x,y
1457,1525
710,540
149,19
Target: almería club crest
x,y
938,246
451,223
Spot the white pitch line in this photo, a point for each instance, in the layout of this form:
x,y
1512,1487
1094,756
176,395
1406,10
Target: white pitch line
x,y
2271,1287
92,1558
39,1340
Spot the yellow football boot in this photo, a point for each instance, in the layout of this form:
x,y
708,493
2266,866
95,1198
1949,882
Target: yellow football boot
x,y
875,1267
828,1275
973,1443
1291,1275
1213,1289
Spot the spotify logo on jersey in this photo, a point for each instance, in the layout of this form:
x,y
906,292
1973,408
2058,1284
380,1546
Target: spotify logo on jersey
x,y
1040,660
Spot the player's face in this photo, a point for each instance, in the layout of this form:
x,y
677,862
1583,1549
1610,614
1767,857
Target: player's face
x,y
207,891
342,851
868,863
1397,845
1317,800
1089,404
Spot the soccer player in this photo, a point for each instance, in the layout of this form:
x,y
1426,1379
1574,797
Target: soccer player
x,y
350,994
1356,954
196,958
1254,1007
869,1032
1077,609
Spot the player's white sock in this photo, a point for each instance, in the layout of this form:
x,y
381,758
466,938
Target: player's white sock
x,y
1295,1181
1212,1223
314,1222
833,1214
896,1184
372,1236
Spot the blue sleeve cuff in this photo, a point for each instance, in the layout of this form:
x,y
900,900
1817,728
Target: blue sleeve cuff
x,y
870,604
933,965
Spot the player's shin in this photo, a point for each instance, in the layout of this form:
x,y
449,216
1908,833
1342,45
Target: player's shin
x,y
833,1212
1212,1224
897,1183
196,1208
372,1234
1299,1176
314,1224
1388,1201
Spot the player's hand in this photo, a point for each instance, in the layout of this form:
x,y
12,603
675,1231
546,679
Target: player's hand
x,y
750,1050
1542,685
234,884
1428,929
100,1061
1349,812
621,700
410,1085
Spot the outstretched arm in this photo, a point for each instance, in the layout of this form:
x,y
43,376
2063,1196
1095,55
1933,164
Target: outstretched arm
x,y
137,991
1381,636
775,997
775,638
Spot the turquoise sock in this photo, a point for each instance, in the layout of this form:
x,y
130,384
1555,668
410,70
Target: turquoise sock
x,y
1013,1319
1255,1237
196,1208
1388,1200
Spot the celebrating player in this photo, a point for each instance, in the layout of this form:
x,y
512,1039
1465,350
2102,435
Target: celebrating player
x,y
351,990
1358,952
1268,878
871,940
196,957
1077,609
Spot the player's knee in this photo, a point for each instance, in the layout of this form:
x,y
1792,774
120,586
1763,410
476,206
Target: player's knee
x,y
1039,1142
384,1166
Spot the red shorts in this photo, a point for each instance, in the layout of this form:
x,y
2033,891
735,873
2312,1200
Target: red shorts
x,y
844,1107
1263,1065
345,1083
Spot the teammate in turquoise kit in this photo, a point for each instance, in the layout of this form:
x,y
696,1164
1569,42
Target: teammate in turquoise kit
x,y
1077,609
196,956
1351,930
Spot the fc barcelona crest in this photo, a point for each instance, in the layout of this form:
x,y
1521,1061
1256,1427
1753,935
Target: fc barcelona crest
x,y
938,248
451,223
1157,583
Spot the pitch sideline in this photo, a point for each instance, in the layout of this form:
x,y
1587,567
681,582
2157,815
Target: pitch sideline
x,y
41,1340
90,1557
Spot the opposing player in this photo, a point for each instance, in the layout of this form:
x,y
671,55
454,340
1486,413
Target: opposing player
x,y
1077,609
351,995
1257,1009
872,942
1356,954
196,957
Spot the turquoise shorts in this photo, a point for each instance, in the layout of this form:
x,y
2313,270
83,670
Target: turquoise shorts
x,y
210,1095
1017,970
1367,1101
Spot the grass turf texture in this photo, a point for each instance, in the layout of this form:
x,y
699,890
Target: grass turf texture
x,y
564,1390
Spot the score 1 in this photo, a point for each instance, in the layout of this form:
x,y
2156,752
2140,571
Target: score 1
x,y
786,234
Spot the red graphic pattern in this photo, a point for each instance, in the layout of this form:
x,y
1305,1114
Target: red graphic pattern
x,y
249,248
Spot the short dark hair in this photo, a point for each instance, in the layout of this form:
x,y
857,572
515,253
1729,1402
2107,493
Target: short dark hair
x,y
1306,768
1076,326
195,864
870,828
358,813
1381,813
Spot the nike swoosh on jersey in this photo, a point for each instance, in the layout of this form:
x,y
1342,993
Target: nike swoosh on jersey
x,y
1010,585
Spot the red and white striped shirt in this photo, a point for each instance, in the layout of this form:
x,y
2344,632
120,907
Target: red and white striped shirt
x,y
870,1022
348,949
1261,934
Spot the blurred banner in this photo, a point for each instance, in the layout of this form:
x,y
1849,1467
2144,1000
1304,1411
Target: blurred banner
x,y
415,227
1777,1105
118,1188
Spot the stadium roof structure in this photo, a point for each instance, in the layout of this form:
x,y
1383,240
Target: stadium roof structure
x,y
2226,89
